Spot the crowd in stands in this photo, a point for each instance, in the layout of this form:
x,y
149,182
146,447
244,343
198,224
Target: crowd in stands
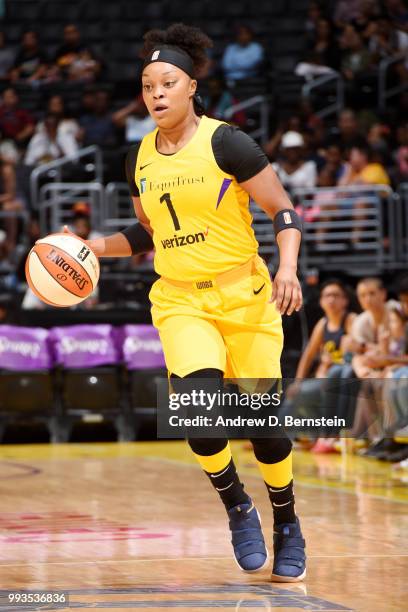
x,y
355,366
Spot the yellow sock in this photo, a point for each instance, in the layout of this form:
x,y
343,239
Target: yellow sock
x,y
215,463
277,474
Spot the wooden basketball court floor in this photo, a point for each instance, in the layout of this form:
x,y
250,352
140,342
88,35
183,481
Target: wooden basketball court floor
x,y
137,526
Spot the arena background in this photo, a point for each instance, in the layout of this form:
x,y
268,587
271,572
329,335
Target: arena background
x,y
320,85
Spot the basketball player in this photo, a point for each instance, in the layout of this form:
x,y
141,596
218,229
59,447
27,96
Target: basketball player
x,y
214,305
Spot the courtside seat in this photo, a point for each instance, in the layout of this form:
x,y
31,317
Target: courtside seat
x,y
92,394
143,386
27,396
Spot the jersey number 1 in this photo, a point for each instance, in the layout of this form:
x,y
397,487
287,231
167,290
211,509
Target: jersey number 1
x,y
166,198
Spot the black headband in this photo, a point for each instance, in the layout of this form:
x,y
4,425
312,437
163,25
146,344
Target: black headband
x,y
171,55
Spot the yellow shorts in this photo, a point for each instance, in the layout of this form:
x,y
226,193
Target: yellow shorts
x,y
226,323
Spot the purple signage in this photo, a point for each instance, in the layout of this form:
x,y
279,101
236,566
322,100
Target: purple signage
x,y
24,348
141,347
84,346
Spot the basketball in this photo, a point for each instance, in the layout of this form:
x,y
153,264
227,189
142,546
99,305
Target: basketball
x,y
62,270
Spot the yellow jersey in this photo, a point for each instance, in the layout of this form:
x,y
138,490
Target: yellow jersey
x,y
197,209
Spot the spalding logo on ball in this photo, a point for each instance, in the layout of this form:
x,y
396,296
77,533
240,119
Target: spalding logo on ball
x,y
62,270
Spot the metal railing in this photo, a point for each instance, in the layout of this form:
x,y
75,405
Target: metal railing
x,y
322,82
265,235
352,226
118,207
385,94
53,170
256,102
56,202
361,228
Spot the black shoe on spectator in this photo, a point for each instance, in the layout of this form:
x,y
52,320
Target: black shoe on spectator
x,y
382,446
398,455
388,449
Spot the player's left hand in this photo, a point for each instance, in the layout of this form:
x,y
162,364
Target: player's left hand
x,y
286,291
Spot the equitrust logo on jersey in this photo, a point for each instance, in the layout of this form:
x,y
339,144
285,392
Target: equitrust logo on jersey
x,y
170,183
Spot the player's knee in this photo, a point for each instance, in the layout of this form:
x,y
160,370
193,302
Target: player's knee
x,y
209,380
207,446
271,450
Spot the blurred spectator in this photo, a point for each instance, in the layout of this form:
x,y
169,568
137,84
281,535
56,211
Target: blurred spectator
x,y
382,402
242,59
402,154
68,130
370,11
334,168
378,406
314,14
81,224
30,63
325,341
134,119
377,139
97,125
366,327
7,55
398,13
15,122
403,300
346,11
292,170
323,352
347,133
219,99
307,116
33,234
362,170
75,60
385,41
325,44
356,59
323,55
9,203
44,146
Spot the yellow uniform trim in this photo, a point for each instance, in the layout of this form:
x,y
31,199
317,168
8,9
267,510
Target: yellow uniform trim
x,y
215,463
277,474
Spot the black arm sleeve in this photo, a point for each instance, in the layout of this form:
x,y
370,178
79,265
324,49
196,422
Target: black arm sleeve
x,y
237,153
131,159
139,239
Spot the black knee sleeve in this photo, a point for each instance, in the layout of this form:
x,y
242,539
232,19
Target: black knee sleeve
x,y
271,450
213,383
207,446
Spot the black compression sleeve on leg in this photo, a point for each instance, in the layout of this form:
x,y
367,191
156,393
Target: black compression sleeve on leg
x,y
139,239
271,450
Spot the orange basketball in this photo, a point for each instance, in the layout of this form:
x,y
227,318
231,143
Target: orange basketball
x,y
62,270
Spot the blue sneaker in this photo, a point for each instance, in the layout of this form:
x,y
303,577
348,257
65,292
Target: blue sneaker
x,y
289,564
247,539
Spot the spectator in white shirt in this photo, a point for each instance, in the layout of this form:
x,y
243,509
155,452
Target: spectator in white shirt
x,y
292,169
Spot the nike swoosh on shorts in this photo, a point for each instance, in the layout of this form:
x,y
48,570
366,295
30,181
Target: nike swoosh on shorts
x,y
256,291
